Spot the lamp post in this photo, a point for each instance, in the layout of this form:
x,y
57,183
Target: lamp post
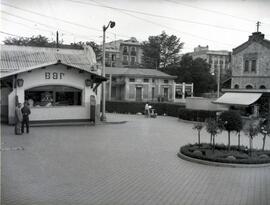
x,y
218,80
111,24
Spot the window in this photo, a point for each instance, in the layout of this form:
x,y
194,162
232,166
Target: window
x,y
132,80
113,92
249,87
153,93
166,81
133,59
253,66
262,87
113,79
236,86
133,51
221,62
125,50
125,60
53,95
113,57
153,81
246,68
145,80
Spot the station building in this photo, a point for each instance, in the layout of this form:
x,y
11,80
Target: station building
x,y
138,84
58,84
250,82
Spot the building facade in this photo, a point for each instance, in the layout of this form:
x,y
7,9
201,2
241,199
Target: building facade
x,y
217,59
250,83
136,84
123,53
58,84
251,63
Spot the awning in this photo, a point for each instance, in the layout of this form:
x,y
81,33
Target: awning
x,y
238,98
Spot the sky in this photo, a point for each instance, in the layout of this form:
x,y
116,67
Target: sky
x,y
220,24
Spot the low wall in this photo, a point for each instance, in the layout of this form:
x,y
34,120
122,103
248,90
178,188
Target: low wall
x,y
60,113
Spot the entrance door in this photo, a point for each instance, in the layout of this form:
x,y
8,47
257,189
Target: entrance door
x,y
138,93
166,94
92,109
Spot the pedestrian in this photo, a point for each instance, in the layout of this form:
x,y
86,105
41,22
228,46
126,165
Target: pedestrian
x,y
18,119
146,110
25,112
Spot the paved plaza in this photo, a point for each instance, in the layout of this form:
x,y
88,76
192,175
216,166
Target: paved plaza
x,y
122,164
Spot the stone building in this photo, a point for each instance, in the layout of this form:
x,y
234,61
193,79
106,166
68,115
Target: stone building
x,y
137,84
251,63
123,53
250,84
218,59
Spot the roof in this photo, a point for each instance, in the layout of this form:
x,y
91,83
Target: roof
x,y
257,37
238,98
137,72
17,59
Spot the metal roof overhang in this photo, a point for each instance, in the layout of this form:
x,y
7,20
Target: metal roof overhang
x,y
243,99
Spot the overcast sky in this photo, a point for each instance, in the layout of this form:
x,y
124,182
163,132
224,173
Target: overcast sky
x,y
221,24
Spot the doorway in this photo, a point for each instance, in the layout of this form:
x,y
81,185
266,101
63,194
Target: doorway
x,y
138,94
92,109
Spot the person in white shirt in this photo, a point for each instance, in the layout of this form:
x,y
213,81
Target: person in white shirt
x,y
147,110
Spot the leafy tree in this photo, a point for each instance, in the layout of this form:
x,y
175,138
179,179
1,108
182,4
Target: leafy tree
x,y
212,128
252,129
80,45
161,51
198,127
265,131
230,121
193,71
39,40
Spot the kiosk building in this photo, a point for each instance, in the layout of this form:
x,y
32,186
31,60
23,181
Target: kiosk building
x,y
58,84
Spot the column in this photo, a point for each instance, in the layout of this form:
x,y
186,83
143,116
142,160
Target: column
x,y
183,90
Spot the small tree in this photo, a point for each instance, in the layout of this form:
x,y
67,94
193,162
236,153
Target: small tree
x,y
265,131
252,129
212,128
198,127
230,121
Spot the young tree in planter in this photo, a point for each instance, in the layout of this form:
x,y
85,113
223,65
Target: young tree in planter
x,y
265,131
212,128
230,121
198,127
252,129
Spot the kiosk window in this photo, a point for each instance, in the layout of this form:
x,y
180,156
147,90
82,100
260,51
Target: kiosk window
x,y
53,95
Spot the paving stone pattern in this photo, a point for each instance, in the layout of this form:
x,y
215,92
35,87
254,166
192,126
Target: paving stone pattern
x,y
122,164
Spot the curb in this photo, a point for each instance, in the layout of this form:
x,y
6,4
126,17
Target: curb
x,y
219,164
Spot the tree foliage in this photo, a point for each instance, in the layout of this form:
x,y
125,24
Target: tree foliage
x,y
195,71
198,127
252,129
230,121
161,51
40,41
212,128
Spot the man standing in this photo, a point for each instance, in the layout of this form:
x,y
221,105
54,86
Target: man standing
x,y
18,119
25,112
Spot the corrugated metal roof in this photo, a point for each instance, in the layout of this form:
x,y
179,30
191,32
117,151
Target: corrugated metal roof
x,y
137,72
22,58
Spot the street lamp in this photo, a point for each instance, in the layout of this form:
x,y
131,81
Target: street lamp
x,y
218,80
111,24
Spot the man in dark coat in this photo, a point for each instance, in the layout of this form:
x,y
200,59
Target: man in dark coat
x,y
18,119
25,112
